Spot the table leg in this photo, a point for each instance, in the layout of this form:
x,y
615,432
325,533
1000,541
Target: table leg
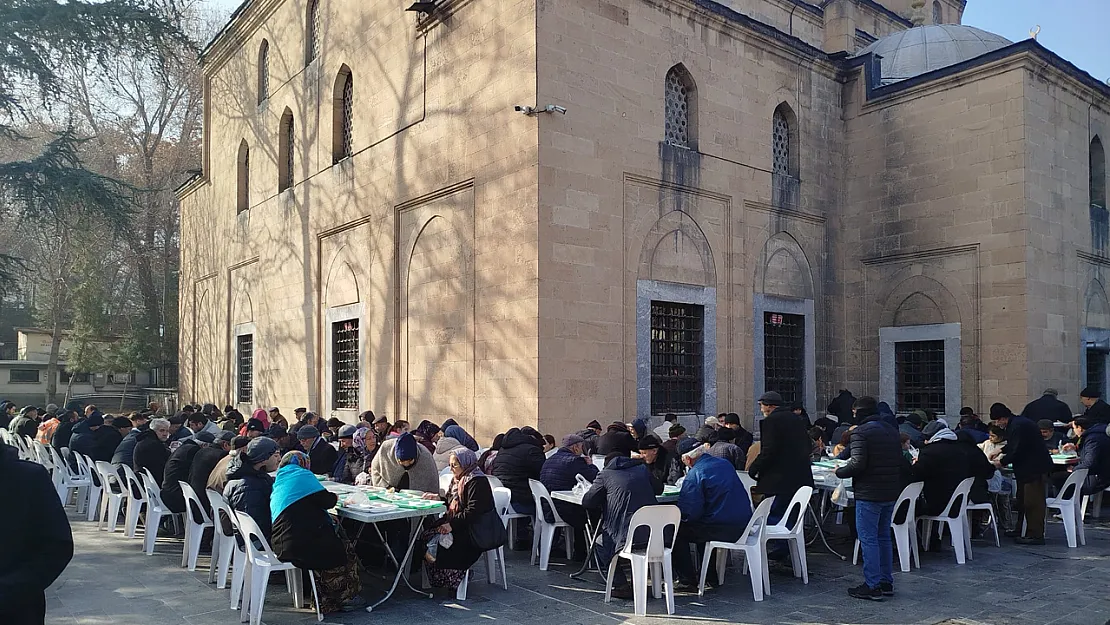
x,y
592,530
821,534
414,534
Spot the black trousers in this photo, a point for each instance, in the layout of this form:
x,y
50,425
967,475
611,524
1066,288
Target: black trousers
x,y
698,534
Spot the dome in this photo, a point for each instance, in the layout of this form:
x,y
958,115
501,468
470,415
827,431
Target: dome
x,y
923,49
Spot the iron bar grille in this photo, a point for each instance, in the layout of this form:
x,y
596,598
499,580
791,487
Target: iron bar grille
x,y
1096,368
677,109
313,44
1100,228
345,364
784,355
264,72
919,375
676,357
780,145
290,134
245,358
347,113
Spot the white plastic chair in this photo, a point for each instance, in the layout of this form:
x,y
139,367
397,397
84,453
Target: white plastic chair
x,y
67,480
657,519
955,516
512,514
194,530
755,556
115,491
85,468
223,544
136,499
991,520
501,499
155,510
748,481
1068,505
262,562
793,535
445,482
543,533
905,532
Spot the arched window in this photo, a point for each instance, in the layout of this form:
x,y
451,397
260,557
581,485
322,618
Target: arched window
x,y
312,32
784,156
1100,223
285,152
263,71
243,178
680,108
342,110
938,13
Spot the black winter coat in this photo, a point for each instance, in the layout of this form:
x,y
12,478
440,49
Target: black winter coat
x,y
105,441
616,440
877,467
520,459
305,534
619,491
782,466
177,470
1025,450
38,543
1047,407
667,468
150,453
248,490
476,500
942,465
322,457
201,469
841,406
1099,412
559,471
83,440
125,451
63,435
1094,455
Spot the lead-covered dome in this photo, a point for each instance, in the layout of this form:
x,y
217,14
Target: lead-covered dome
x,y
923,49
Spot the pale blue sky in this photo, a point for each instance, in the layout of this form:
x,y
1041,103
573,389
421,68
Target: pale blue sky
x,y
1078,30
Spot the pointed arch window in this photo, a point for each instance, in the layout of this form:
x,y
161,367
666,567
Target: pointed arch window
x,y
784,156
243,177
680,108
938,12
342,114
263,71
285,151
1100,222
312,32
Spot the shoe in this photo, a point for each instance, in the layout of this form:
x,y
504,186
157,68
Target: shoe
x,y
1012,534
621,592
690,587
887,588
352,605
1022,540
863,591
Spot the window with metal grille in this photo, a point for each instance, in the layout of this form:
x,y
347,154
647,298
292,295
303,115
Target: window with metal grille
x,y
937,15
312,33
1096,368
784,355
1100,219
263,71
344,353
676,357
244,356
342,114
677,109
243,179
285,146
23,376
780,144
919,376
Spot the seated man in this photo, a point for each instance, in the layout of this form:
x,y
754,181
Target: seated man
x,y
321,454
1094,454
402,463
1053,440
249,484
664,463
619,491
944,462
559,473
714,504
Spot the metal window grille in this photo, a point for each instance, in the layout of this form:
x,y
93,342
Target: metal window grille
x,y
1100,228
345,364
919,375
264,72
312,36
676,357
1096,368
245,357
780,144
677,110
936,13
24,376
290,133
346,113
784,355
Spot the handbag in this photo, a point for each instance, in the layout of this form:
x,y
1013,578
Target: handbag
x,y
488,531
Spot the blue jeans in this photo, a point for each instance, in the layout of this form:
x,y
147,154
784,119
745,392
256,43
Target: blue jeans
x,y
873,529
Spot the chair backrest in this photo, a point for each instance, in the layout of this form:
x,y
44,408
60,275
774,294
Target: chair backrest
x,y
109,477
258,550
540,496
502,498
494,482
749,482
90,466
957,503
81,464
137,490
657,519
221,509
445,482
60,464
599,461
1072,486
42,455
793,519
905,508
153,491
193,502
753,532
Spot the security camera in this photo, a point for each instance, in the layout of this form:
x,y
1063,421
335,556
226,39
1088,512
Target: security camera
x,y
527,110
554,108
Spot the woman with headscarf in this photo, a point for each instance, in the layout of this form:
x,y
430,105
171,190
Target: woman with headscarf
x,y
485,462
259,415
306,535
425,434
355,460
469,498
456,432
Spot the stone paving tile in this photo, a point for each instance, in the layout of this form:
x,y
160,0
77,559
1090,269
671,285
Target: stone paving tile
x,y
111,582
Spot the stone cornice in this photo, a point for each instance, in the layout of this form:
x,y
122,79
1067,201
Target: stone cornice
x,y
242,24
938,252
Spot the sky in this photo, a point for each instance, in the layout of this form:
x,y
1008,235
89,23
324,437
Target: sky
x,y
1074,29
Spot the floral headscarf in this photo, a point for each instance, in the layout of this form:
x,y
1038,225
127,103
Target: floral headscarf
x,y
468,462
359,440
298,458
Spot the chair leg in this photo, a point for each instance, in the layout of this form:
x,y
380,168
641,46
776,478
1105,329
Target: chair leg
x,y
609,579
568,538
258,598
537,529
1068,513
546,538
704,569
668,579
150,532
800,549
238,575
639,586
501,562
315,596
1079,529
766,569
196,534
902,542
967,538
227,551
491,566
185,548
957,540
460,592
244,596
94,503
657,579
213,560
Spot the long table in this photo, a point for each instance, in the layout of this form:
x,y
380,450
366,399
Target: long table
x,y
373,518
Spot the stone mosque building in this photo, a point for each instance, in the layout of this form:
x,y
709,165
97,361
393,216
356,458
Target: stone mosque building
x,y
545,212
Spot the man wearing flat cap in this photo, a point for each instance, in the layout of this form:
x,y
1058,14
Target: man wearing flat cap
x,y
782,466
558,473
320,453
1097,411
249,484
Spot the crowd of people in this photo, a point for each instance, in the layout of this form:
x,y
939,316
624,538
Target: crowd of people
x,y
268,469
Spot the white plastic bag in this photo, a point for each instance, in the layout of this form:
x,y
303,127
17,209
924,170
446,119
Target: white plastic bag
x,y
840,495
581,485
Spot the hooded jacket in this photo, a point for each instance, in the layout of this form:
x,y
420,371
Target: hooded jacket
x,y
782,466
151,453
619,491
942,465
303,531
387,472
520,459
444,447
248,490
616,438
876,466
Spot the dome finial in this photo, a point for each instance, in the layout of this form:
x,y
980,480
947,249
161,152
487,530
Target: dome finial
x,y
917,15
1033,32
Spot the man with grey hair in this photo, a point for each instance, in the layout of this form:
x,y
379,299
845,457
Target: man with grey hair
x,y
714,504
151,451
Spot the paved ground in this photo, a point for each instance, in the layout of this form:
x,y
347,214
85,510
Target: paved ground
x,y
110,582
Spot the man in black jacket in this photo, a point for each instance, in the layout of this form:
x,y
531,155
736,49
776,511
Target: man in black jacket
x,y
203,463
62,436
151,451
1097,411
616,438
876,467
321,454
83,440
742,438
782,466
178,468
841,406
1025,450
249,483
943,463
1094,454
521,458
1047,406
560,472
38,540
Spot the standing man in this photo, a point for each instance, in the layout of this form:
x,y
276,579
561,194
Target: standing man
x,y
1048,406
782,466
876,467
1097,411
1032,463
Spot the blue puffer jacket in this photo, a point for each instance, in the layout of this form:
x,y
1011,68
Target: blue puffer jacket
x,y
559,470
620,490
712,493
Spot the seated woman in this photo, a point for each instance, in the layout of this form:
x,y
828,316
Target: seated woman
x,y
354,460
469,499
306,535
